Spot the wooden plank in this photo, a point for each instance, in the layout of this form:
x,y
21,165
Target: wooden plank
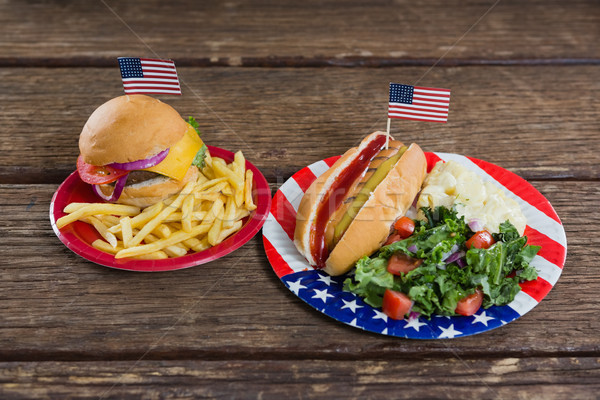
x,y
531,378
260,32
56,306
518,117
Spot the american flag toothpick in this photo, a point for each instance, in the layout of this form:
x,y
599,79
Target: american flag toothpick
x,y
418,103
147,75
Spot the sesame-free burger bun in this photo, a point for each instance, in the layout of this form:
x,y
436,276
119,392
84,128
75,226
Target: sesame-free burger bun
x,y
130,128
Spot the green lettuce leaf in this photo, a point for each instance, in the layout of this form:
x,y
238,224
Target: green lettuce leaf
x,y
199,157
437,287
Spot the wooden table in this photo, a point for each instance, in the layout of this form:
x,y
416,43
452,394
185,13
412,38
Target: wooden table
x,y
290,83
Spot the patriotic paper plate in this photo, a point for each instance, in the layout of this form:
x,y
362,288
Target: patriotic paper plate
x,y
79,236
325,293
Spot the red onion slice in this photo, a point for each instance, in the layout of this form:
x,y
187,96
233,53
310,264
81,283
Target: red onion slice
x,y
454,257
475,225
141,164
413,314
119,185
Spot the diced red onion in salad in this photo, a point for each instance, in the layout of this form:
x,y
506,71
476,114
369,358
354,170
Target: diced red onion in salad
x,y
461,262
414,315
453,250
454,257
119,185
475,225
141,164
412,248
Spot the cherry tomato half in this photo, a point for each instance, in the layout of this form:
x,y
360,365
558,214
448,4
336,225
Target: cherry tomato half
x,y
405,227
96,175
481,240
396,304
469,305
402,263
393,238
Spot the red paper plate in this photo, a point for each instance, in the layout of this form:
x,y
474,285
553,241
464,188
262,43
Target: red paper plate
x,y
78,236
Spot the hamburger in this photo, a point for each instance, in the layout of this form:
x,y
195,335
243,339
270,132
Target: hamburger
x,y
348,212
137,150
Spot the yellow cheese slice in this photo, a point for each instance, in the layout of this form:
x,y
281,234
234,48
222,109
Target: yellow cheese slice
x,y
180,156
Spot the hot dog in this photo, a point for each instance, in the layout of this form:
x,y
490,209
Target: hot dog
x,y
347,212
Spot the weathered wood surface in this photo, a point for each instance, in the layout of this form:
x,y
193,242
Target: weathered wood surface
x,y
503,378
57,306
524,79
348,32
541,123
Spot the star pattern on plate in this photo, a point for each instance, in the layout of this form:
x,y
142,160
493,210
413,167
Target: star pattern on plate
x,y
351,305
414,323
483,318
322,294
449,332
296,286
326,279
380,315
326,294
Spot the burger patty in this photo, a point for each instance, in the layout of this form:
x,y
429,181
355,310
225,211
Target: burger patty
x,y
142,176
139,176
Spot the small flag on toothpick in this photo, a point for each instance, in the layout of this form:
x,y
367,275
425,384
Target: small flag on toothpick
x,y
418,103
147,75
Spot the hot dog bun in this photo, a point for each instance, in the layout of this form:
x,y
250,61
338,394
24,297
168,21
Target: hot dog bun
x,y
371,226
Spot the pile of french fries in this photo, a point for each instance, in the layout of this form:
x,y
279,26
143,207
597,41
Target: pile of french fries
x,y
201,215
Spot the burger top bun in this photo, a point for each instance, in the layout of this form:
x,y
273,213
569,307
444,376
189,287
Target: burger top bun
x,y
129,128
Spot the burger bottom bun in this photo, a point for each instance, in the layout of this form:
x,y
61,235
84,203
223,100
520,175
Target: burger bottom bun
x,y
150,192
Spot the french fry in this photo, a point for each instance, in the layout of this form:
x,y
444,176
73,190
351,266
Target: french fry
x,y
72,207
207,196
236,182
102,230
106,247
126,231
154,222
201,178
229,215
97,208
248,191
227,190
215,229
187,211
213,213
208,183
196,244
109,220
172,251
239,164
146,215
223,234
241,213
208,171
208,158
162,231
176,237
157,255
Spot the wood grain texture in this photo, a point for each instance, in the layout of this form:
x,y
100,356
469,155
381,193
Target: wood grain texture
x,y
503,378
246,32
57,306
540,123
